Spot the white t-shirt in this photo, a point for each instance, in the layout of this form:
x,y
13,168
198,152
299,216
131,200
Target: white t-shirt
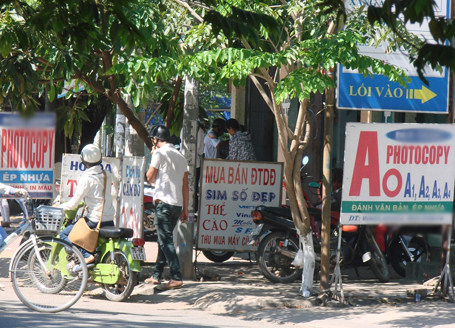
x,y
90,188
171,166
210,142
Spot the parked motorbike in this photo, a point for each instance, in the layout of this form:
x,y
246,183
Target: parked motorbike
x,y
277,250
279,245
401,245
359,247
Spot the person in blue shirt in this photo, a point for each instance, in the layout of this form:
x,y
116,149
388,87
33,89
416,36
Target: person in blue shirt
x,y
2,235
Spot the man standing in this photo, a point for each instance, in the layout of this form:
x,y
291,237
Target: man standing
x,y
202,129
169,171
240,145
212,142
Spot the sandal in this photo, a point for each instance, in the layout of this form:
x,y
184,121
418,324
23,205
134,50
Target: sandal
x,y
173,284
153,280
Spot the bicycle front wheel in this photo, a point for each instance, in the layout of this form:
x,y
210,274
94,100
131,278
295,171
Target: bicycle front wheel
x,y
41,278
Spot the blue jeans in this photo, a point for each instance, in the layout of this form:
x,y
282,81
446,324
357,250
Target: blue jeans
x,y
166,218
65,232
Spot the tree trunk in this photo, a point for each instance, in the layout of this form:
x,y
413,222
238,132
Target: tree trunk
x,y
307,247
300,216
132,119
119,133
293,157
327,186
175,96
186,231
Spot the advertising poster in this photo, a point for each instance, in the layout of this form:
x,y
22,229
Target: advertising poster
x,y
72,169
27,153
229,191
399,174
132,195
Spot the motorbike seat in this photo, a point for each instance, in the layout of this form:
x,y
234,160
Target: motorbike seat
x,y
115,232
280,211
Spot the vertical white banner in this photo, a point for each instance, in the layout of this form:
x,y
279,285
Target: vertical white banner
x,y
132,195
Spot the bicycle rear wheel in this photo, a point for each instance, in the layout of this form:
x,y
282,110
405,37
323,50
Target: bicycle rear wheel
x,y
47,285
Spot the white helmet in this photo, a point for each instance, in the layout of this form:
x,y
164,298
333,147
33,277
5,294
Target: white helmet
x,y
91,155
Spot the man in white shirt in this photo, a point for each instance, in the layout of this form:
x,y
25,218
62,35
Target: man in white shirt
x,y
211,141
90,189
200,153
169,171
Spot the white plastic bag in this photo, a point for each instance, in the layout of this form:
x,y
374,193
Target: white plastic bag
x,y
298,260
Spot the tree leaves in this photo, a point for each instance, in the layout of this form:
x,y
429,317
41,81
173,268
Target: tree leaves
x,y
5,46
419,11
241,23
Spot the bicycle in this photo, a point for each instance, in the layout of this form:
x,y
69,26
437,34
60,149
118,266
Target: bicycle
x,y
38,268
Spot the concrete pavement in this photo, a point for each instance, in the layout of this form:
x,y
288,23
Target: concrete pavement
x,y
242,292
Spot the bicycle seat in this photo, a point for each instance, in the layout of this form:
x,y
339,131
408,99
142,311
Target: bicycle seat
x,y
115,232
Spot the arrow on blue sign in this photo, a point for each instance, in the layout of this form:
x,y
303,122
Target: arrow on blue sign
x,y
378,93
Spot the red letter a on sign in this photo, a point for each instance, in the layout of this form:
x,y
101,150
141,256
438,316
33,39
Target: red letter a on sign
x,y
367,149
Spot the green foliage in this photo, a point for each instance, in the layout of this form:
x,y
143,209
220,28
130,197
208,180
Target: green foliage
x,y
48,42
302,45
396,13
70,118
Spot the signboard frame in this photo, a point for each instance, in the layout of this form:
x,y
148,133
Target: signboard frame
x,y
229,191
27,153
399,174
131,208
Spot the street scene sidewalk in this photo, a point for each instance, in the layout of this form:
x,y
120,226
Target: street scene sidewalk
x,y
237,288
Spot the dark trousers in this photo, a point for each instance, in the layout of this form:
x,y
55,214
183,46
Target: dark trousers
x,y
166,218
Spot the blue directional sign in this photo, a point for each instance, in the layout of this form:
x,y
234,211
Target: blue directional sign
x,y
378,93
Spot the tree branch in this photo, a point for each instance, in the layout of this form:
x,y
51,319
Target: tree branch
x,y
175,96
262,91
187,6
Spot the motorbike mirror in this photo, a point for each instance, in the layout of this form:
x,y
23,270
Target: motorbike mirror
x,y
313,185
305,160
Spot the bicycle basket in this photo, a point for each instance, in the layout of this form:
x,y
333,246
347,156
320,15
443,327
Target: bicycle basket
x,y
48,219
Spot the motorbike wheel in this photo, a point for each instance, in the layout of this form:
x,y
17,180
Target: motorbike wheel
x,y
218,256
275,265
121,290
149,220
399,258
378,262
